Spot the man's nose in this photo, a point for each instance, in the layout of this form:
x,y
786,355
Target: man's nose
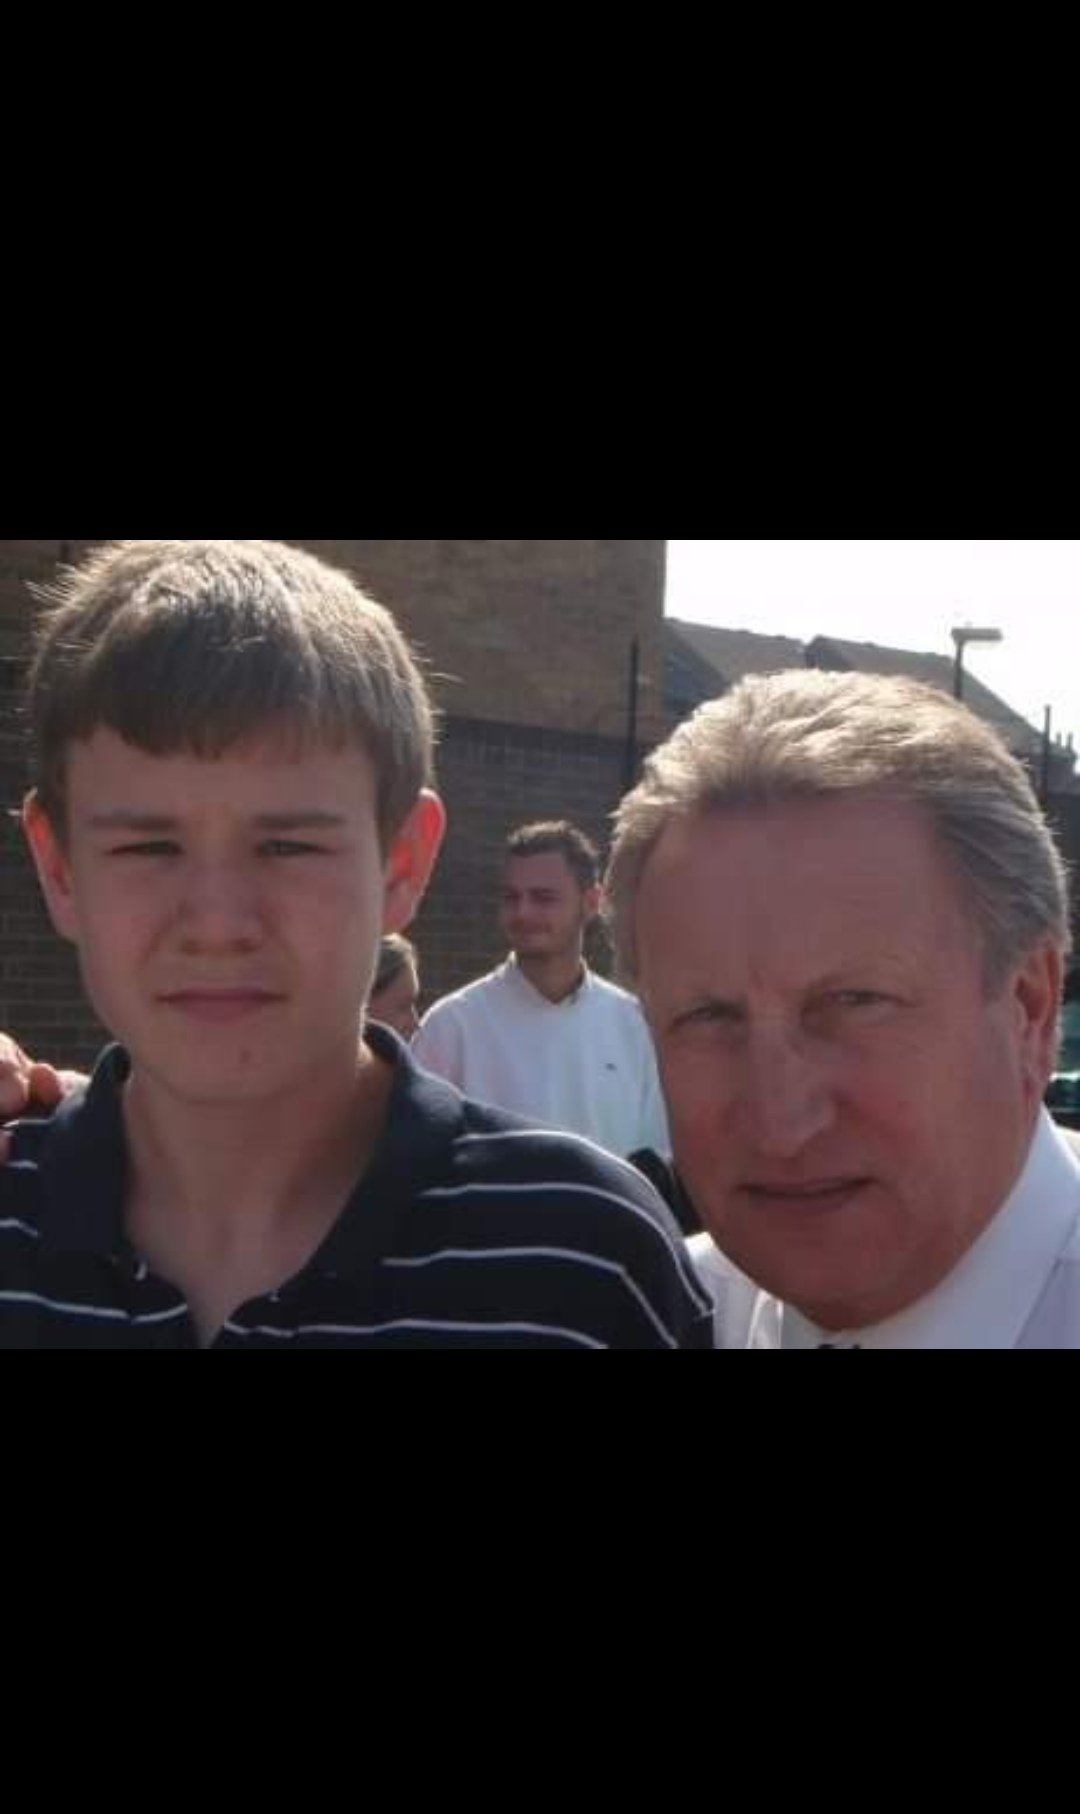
x,y
788,1094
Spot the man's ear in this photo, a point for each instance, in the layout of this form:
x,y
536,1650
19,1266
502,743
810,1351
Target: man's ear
x,y
412,857
52,865
1036,994
593,901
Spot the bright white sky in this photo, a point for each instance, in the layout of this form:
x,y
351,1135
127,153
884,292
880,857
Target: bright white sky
x,y
907,595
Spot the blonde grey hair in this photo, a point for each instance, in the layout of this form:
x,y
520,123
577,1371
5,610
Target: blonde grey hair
x,y
809,735
200,646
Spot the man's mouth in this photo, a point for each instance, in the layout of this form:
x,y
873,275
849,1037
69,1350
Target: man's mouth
x,y
817,1194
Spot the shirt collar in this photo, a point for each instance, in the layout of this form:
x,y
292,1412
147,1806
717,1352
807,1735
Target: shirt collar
x,y
84,1165
424,1118
991,1293
513,974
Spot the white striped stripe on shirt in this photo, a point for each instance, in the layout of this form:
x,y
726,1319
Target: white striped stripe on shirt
x,y
475,1327
101,1312
458,1254
568,1188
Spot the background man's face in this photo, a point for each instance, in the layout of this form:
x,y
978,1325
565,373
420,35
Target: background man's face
x,y
848,1108
544,910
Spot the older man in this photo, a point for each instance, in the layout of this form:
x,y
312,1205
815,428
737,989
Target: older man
x,y
848,922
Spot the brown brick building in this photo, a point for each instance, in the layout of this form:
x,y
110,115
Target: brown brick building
x,y
532,647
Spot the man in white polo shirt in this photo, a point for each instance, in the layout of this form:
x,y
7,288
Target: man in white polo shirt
x,y
543,1035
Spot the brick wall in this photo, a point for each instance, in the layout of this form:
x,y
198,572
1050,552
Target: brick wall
x,y
41,999
527,633
530,647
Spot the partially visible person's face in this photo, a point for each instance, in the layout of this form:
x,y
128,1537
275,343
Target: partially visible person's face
x,y
848,1107
544,909
396,1005
228,912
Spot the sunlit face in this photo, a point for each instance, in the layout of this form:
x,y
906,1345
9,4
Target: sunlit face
x,y
396,1005
848,1107
227,912
544,909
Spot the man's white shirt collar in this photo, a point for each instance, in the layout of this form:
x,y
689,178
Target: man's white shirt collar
x,y
988,1299
514,975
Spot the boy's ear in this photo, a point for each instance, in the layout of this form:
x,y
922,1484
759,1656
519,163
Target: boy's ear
x,y
52,865
412,857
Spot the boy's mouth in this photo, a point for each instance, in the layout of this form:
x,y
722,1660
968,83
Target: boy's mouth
x,y
220,1004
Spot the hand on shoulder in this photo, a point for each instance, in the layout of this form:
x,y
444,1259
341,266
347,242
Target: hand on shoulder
x,y
26,1085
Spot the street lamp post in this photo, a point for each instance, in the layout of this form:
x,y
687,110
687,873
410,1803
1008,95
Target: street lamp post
x,y
961,637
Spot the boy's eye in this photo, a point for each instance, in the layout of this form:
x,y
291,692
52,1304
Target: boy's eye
x,y
146,847
290,847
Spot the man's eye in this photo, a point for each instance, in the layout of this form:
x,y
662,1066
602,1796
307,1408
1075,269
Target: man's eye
x,y
858,998
708,1014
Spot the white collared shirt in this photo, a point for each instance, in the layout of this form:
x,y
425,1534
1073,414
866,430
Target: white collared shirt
x,y
1018,1286
585,1064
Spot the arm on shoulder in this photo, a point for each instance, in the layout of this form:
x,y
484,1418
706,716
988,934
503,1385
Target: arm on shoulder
x,y
26,1085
